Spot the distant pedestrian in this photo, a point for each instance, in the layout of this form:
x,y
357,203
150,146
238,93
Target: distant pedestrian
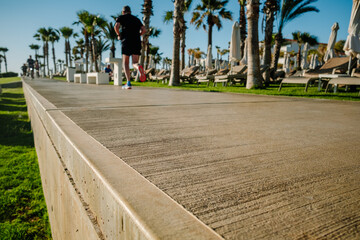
x,y
109,71
130,36
37,68
24,69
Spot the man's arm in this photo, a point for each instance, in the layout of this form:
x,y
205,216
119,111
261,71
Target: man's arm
x,y
116,28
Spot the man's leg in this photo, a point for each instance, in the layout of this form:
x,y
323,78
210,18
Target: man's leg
x,y
126,67
135,60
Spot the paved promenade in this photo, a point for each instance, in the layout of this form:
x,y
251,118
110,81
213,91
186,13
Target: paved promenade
x,y
247,166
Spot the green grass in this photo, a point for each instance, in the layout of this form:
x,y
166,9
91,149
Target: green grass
x,y
61,78
23,213
9,80
287,90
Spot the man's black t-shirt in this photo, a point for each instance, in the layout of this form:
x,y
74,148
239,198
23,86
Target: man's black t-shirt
x,y
130,28
30,62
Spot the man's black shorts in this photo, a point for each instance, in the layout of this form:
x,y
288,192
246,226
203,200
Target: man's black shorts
x,y
131,48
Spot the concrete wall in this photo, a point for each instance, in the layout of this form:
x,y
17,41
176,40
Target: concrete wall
x,y
92,194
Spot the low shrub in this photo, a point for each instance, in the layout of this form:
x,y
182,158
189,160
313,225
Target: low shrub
x,y
8,74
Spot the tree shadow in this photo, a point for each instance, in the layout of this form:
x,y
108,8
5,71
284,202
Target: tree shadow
x,y
15,131
15,128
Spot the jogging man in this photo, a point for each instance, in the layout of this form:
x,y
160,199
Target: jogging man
x,y
131,30
30,63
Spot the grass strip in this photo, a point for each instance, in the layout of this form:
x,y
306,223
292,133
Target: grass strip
x,y
288,90
9,80
23,213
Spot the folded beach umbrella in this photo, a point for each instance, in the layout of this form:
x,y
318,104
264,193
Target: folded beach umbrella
x,y
331,43
208,60
244,59
235,51
352,44
192,62
316,61
312,58
151,61
304,64
286,66
217,64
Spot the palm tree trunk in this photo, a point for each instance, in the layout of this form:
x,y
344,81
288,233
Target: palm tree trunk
x,y
175,68
242,24
44,53
268,39
93,41
183,46
112,49
69,52
254,78
147,11
147,55
47,57
87,52
66,53
5,61
298,58
210,34
278,42
54,58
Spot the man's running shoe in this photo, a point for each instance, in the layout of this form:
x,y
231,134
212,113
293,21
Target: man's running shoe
x,y
126,86
142,74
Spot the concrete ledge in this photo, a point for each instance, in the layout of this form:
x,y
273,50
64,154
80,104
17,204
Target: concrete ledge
x,y
93,194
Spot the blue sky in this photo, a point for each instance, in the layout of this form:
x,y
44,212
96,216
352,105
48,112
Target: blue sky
x,y
20,19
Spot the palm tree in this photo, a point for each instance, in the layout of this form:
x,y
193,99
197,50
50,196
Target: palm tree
x,y
198,54
67,33
270,9
54,37
80,46
111,35
190,52
218,50
38,37
86,20
212,11
167,61
289,10
168,17
223,52
147,12
254,78
242,23
97,22
4,50
175,65
301,39
153,33
154,51
101,46
44,34
339,47
35,47
60,63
